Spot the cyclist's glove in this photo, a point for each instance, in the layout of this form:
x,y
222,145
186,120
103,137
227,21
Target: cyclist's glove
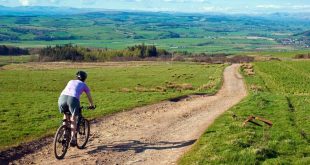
x,y
91,107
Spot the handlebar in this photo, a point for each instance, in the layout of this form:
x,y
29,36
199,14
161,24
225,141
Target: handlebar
x,y
88,107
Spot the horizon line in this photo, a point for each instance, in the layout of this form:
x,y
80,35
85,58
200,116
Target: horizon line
x,y
163,11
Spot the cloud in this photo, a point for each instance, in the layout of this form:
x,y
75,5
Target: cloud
x,y
156,9
286,7
177,1
24,2
88,2
270,6
182,1
216,9
55,1
300,7
132,0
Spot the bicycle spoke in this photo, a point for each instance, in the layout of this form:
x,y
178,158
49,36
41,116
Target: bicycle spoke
x,y
83,133
61,141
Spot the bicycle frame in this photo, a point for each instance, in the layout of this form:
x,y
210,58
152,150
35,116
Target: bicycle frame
x,y
64,133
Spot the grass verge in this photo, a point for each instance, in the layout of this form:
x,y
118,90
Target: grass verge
x,y
278,91
29,92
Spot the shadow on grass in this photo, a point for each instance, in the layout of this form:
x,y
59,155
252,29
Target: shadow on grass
x,y
138,146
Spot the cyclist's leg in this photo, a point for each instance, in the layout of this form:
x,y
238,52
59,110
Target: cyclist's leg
x,y
63,106
73,127
66,118
74,107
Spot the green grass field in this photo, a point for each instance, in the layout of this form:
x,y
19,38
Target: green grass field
x,y
174,32
279,54
194,45
279,91
29,92
4,60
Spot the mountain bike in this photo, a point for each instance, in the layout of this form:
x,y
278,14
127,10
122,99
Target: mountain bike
x,y
63,134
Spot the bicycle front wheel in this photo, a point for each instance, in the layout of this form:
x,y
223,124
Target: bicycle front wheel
x,y
61,142
82,133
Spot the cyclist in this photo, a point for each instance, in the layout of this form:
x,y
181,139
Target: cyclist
x,y
69,100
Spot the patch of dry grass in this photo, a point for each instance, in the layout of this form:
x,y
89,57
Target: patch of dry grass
x,y
248,69
76,65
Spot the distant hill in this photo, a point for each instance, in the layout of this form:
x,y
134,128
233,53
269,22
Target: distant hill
x,y
304,34
36,26
41,10
301,16
50,10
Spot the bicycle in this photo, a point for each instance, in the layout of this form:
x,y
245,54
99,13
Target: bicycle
x,y
62,137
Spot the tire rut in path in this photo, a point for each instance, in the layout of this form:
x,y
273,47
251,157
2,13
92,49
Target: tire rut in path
x,y
154,134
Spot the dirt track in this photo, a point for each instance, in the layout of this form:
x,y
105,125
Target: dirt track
x,y
154,134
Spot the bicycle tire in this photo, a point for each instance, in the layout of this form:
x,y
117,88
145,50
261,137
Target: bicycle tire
x,y
83,133
62,138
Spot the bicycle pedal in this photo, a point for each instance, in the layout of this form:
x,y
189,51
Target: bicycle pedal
x,y
73,143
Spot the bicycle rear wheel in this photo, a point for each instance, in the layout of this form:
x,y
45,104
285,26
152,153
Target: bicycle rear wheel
x,y
61,142
82,133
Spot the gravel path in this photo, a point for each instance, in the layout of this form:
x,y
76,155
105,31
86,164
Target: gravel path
x,y
154,134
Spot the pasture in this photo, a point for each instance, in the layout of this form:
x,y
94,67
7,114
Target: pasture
x,y
29,92
279,91
174,32
4,60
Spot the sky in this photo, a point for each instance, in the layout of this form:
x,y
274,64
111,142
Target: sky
x,y
201,6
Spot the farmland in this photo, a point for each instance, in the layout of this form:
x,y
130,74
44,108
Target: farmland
x,y
4,60
29,92
177,32
277,54
279,91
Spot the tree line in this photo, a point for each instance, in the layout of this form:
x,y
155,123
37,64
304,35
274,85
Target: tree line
x,y
69,52
11,50
77,53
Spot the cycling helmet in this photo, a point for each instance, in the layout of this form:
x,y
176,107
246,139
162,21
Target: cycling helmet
x,y
81,75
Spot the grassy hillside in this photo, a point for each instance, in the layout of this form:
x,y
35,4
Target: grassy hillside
x,y
279,91
175,32
277,54
29,92
4,60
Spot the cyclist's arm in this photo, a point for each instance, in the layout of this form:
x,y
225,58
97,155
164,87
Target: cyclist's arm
x,y
90,99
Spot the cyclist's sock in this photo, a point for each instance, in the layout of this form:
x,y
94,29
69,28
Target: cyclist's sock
x,y
64,122
73,142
